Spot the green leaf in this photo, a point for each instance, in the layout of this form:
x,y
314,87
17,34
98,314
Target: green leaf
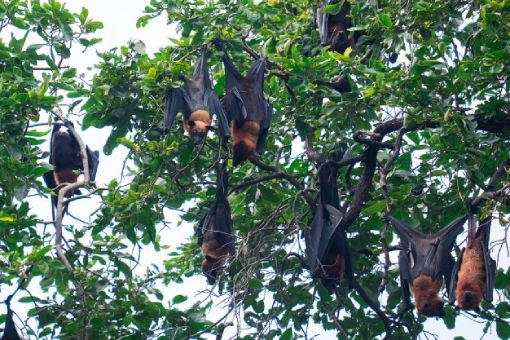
x,y
287,335
502,329
179,299
385,20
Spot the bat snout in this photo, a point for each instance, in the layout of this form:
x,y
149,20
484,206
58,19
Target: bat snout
x,y
469,301
198,137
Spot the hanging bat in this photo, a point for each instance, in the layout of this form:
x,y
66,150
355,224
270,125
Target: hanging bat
x,y
246,106
10,331
198,103
423,262
328,252
334,28
66,159
215,231
475,271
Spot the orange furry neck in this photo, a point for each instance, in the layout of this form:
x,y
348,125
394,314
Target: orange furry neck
x,y
471,285
244,139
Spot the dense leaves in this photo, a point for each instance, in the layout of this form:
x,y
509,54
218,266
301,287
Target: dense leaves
x,y
438,68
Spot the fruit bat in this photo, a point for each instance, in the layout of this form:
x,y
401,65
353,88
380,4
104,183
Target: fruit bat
x,y
10,331
198,103
423,262
475,271
246,106
327,250
66,159
215,231
334,32
334,28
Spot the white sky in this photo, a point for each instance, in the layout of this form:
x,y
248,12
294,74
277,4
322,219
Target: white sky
x,y
119,18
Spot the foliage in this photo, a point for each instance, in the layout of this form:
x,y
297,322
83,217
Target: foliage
x,y
449,88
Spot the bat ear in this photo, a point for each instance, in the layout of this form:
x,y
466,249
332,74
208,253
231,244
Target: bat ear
x,y
191,122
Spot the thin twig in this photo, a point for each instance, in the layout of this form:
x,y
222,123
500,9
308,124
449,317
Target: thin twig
x,y
384,188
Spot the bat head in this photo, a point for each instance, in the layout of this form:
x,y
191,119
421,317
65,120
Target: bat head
x,y
469,300
211,267
245,140
425,290
339,38
198,124
431,307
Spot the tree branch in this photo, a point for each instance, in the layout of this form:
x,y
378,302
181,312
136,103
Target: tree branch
x,y
291,179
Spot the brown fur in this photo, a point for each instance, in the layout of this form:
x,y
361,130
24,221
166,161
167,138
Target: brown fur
x,y
65,176
426,298
244,139
338,34
334,267
202,122
471,285
215,257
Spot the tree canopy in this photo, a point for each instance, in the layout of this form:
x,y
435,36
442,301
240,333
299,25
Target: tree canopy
x,y
426,126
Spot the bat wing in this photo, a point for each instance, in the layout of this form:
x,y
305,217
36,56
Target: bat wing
x,y
313,235
410,238
490,264
216,108
340,242
439,260
454,279
264,128
49,179
174,102
93,157
223,226
404,266
322,23
202,228
10,331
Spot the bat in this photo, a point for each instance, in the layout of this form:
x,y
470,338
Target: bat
x,y
10,331
327,250
474,272
197,102
247,108
215,231
66,159
424,261
334,32
334,28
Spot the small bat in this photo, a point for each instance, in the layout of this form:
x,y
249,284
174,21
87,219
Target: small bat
x,y
334,32
474,272
66,159
334,28
423,262
215,231
328,252
10,331
197,102
246,106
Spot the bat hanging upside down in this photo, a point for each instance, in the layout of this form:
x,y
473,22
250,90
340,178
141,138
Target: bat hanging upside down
x,y
474,273
197,102
246,106
65,156
215,231
327,249
425,262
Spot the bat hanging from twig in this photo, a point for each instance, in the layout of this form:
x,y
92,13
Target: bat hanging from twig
x,y
424,261
246,106
215,230
474,272
327,250
65,156
198,103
